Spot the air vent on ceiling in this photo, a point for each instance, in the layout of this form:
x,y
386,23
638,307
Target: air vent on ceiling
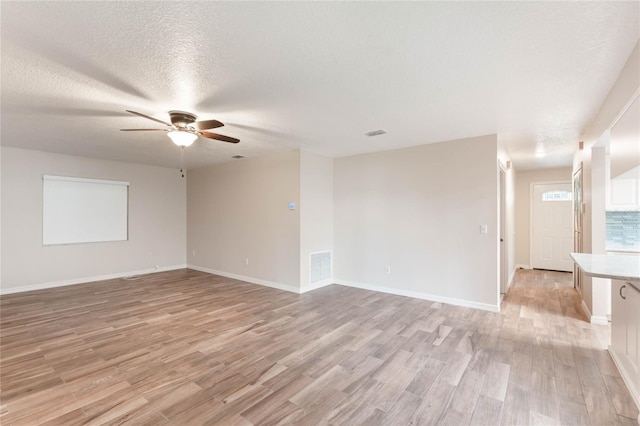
x,y
376,133
237,157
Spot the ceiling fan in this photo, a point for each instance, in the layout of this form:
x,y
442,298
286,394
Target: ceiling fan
x,y
184,129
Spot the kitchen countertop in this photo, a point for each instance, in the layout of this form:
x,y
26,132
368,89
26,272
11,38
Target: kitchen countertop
x,y
617,267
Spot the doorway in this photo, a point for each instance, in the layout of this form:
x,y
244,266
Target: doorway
x,y
552,229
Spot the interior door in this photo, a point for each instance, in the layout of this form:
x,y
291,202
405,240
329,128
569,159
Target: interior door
x,y
504,273
552,233
577,225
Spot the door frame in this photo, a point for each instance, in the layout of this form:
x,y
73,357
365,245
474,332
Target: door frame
x,y
502,234
531,185
578,224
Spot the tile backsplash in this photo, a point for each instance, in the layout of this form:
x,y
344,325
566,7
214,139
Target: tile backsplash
x,y
623,230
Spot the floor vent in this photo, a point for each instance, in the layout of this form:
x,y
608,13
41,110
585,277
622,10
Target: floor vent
x,y
319,266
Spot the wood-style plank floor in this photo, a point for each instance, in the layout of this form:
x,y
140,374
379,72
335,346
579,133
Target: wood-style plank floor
x,y
189,348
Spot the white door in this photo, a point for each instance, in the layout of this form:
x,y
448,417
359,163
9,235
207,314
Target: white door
x,y
552,233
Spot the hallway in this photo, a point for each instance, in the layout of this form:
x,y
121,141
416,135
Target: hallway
x,y
560,368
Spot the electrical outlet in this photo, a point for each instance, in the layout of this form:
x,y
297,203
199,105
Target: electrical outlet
x,y
193,253
388,269
150,255
157,267
246,261
484,229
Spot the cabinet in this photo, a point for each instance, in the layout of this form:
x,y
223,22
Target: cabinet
x,y
624,194
625,332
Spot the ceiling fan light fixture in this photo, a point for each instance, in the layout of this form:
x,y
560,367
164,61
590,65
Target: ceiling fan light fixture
x,y
182,138
183,129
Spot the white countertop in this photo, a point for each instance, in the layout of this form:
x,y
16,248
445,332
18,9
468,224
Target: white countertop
x,y
617,267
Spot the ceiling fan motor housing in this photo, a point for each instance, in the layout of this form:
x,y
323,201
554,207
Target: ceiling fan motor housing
x,y
182,118
184,124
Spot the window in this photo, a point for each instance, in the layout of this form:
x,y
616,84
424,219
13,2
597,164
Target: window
x,y
557,196
76,210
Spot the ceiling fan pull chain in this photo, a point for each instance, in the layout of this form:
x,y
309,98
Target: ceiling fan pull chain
x,y
182,161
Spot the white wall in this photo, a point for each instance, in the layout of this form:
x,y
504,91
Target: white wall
x,y
524,179
599,180
157,217
0,220
601,305
316,209
238,211
624,145
419,211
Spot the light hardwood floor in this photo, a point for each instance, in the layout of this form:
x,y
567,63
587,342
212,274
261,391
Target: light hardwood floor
x,y
185,347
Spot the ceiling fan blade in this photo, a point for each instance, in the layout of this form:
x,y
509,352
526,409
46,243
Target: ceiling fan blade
x,y
218,137
143,130
150,118
208,124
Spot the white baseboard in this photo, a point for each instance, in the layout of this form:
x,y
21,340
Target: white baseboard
x,y
635,393
251,280
323,283
316,285
521,266
599,320
586,310
593,319
424,296
84,280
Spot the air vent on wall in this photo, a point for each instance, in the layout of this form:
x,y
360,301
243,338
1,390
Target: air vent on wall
x,y
319,266
376,133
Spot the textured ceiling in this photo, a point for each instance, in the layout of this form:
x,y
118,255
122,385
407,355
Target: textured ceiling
x,y
309,75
